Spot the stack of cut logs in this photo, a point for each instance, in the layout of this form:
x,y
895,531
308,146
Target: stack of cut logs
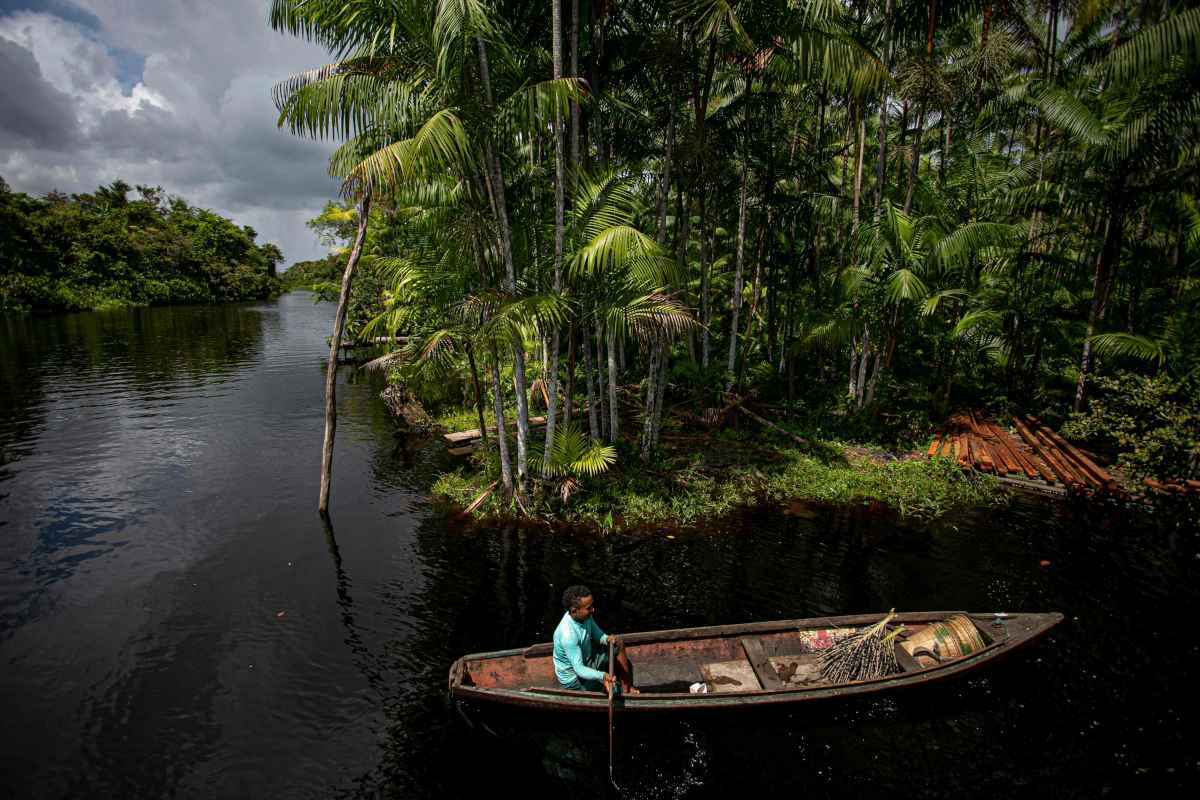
x,y
1174,487
1036,454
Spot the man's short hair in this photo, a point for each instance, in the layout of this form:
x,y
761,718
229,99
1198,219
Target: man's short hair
x,y
574,595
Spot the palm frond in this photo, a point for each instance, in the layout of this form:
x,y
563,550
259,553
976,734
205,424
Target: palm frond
x,y
1066,111
1153,47
440,145
1129,345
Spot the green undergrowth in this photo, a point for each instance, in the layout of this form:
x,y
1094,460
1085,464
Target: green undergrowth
x,y
702,479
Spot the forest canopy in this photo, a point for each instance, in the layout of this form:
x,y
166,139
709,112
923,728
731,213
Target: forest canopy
x,y
111,248
867,212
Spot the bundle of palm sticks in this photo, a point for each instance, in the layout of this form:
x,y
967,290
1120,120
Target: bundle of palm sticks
x,y
865,654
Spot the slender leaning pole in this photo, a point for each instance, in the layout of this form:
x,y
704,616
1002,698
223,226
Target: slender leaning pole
x,y
335,342
612,686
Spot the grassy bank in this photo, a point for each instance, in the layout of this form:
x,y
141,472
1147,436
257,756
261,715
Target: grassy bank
x,y
701,478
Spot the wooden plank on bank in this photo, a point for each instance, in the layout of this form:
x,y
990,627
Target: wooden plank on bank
x,y
1005,462
1023,463
1044,462
1054,459
1097,473
1032,458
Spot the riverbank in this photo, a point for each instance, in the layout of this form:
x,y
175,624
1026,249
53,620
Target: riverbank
x,y
702,478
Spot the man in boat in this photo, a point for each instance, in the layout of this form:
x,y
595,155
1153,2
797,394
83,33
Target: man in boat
x,y
581,648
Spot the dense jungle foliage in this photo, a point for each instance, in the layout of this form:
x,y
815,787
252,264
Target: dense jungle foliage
x,y
319,272
864,213
108,250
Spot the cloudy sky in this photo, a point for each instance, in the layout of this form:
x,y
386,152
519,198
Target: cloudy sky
x,y
171,93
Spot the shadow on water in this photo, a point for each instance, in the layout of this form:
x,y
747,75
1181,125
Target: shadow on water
x,y
176,619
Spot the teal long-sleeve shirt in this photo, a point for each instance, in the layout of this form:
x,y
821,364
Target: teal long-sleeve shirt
x,y
575,650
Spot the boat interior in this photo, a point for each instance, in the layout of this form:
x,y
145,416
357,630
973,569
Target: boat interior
x,y
737,662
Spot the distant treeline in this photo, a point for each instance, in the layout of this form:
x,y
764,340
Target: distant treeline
x,y
107,250
315,274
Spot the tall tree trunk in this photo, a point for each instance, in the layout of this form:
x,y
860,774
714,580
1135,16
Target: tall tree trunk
x,y
613,374
683,234
499,193
664,182
705,278
735,300
1110,253
863,364
983,43
589,369
551,378
569,398
335,343
881,164
858,166
651,395
661,391
519,387
946,125
748,339
852,388
573,39
869,399
478,392
501,437
914,163
602,381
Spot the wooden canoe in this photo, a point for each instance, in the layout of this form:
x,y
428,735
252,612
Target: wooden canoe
x,y
754,664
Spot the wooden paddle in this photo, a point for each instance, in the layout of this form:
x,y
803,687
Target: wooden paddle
x,y
612,682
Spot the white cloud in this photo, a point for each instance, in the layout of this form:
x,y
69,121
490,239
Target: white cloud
x,y
199,122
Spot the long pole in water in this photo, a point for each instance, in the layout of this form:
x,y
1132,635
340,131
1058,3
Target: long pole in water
x,y
612,681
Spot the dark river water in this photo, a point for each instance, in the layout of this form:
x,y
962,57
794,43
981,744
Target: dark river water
x,y
175,619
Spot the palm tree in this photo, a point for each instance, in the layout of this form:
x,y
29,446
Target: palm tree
x,y
415,88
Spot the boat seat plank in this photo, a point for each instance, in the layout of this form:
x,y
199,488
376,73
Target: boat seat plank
x,y
757,657
730,676
798,670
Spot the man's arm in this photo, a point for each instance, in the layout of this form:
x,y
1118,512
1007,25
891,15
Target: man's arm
x,y
597,634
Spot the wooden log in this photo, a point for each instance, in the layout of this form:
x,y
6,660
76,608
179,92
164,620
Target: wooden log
x,y
997,461
983,454
1032,459
936,445
1066,477
1015,457
763,421
1005,463
1098,473
976,426
1051,454
465,436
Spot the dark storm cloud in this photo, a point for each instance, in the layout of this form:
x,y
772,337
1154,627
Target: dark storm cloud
x,y
63,9
158,94
34,112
